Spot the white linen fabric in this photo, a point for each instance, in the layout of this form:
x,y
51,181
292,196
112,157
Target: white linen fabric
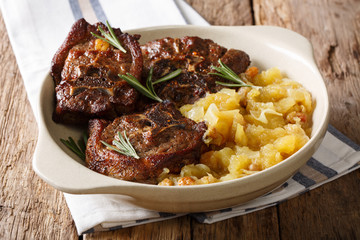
x,y
37,28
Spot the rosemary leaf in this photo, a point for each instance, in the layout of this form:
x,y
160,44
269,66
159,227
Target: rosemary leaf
x,y
85,138
225,72
82,142
123,146
79,148
150,84
168,77
114,38
110,38
81,145
113,148
148,91
137,85
119,146
230,84
127,144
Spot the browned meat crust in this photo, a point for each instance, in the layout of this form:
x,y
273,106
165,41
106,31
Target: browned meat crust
x,y
161,136
86,76
195,56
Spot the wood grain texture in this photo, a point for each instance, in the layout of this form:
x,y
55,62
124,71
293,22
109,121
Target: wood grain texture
x,y
225,12
179,228
333,28
257,225
329,212
29,209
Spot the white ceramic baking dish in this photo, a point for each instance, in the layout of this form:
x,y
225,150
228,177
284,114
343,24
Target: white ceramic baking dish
x,y
267,47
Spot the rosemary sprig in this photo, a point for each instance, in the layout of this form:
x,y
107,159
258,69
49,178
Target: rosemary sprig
x,y
167,77
123,146
225,72
110,38
148,91
79,148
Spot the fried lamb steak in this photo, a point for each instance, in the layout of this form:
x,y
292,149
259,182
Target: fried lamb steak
x,y
161,136
85,72
194,56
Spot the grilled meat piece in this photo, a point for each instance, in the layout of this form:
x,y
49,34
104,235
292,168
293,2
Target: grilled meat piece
x,y
194,56
161,136
85,72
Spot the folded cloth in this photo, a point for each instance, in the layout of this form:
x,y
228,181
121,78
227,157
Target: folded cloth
x,y
36,30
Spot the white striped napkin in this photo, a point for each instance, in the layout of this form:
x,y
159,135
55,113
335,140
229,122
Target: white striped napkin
x,y
37,28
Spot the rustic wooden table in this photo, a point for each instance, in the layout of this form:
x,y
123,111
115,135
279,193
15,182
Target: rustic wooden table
x,y
31,209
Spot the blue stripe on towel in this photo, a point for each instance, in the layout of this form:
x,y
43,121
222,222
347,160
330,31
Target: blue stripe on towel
x,y
165,214
250,209
318,166
115,228
303,180
91,230
75,8
99,12
226,210
343,138
142,220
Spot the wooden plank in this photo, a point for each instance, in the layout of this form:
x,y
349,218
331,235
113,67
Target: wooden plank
x,y
29,209
258,225
225,12
333,29
178,228
331,211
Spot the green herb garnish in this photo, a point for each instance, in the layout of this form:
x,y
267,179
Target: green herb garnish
x,y
148,91
225,72
79,148
123,146
167,77
110,38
